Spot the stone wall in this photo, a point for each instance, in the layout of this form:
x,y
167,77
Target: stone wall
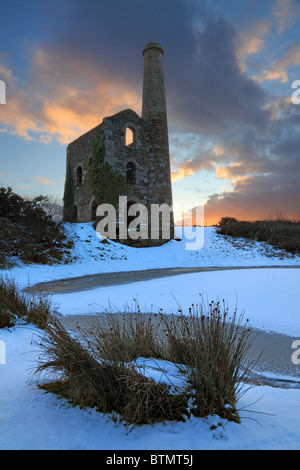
x,y
148,154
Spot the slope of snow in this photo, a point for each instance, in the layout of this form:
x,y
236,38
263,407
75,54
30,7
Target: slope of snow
x,y
93,256
31,419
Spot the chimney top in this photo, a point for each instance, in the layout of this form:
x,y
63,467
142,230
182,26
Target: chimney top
x,y
153,45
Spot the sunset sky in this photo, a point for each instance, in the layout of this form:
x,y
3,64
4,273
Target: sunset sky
x,y
229,68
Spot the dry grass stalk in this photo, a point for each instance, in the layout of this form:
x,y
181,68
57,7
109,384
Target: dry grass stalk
x,y
17,305
211,345
96,368
108,384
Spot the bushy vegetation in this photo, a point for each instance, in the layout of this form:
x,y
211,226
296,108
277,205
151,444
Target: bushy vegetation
x,y
97,367
106,183
280,233
17,305
109,386
28,232
210,346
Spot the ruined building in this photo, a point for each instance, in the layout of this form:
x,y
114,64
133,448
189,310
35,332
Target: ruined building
x,y
144,162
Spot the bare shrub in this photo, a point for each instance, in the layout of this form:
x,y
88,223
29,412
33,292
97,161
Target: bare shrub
x,y
110,386
126,336
28,233
96,367
18,305
210,346
281,233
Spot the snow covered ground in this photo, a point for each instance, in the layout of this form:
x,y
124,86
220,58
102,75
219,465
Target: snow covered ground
x,y
270,298
93,256
31,419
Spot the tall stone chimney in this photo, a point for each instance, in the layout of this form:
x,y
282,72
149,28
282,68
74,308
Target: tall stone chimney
x,y
154,96
154,111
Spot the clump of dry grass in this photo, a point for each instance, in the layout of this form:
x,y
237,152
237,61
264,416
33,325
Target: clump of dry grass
x,y
18,305
126,336
211,345
96,367
109,385
12,304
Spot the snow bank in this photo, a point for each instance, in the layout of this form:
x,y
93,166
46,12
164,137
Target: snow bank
x,y
33,420
92,256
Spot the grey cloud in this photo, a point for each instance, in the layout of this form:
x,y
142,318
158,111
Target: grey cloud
x,y
254,200
209,91
206,89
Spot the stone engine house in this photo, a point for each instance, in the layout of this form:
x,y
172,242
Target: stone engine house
x,y
144,162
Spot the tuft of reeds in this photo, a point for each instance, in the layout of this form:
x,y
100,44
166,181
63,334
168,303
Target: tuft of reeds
x,y
95,367
126,336
17,305
109,385
210,346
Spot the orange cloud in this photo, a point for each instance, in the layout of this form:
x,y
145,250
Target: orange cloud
x,y
275,75
54,106
227,172
252,40
233,173
278,68
43,180
181,173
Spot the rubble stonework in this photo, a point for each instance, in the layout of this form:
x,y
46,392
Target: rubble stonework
x,y
145,163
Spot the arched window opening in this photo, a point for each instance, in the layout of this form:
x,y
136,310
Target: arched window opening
x,y
129,137
94,209
131,173
79,176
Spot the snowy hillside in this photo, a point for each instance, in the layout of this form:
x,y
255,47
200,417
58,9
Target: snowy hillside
x,y
31,419
93,256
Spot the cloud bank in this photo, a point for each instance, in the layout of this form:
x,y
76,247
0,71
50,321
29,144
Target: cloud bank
x,y
221,118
